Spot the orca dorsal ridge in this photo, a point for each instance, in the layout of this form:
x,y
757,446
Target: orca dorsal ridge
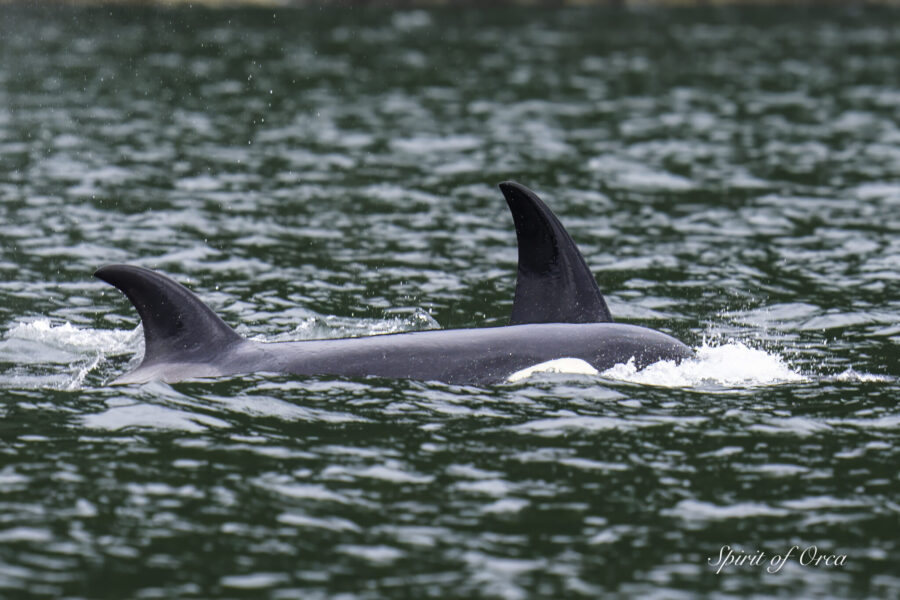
x,y
178,326
554,284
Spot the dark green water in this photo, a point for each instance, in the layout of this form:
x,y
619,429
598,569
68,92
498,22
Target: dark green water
x,y
733,178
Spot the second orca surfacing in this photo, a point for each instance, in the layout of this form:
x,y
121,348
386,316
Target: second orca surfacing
x,y
558,313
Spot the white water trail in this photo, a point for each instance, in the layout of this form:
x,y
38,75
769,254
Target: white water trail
x,y
733,364
40,342
70,338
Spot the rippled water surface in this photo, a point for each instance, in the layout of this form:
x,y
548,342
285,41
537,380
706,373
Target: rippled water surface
x,y
733,179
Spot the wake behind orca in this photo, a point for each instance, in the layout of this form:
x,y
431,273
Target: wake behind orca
x,y
558,312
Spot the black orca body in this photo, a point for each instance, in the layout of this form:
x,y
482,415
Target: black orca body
x,y
558,313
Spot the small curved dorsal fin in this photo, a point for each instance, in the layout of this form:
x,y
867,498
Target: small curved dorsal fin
x,y
554,284
178,326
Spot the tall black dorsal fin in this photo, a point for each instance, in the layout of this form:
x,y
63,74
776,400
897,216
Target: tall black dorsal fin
x,y
554,283
178,326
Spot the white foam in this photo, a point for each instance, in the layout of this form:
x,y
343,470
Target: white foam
x,y
83,349
731,364
853,375
75,339
574,366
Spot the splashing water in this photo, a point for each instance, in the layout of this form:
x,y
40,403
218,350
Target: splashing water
x,y
731,364
40,343
74,339
853,375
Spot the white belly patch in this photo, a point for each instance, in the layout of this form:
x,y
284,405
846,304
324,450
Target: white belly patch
x,y
575,366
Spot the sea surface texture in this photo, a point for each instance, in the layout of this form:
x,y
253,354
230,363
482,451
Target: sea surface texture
x,y
732,177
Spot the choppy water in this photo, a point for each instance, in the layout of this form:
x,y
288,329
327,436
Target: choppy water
x,y
733,178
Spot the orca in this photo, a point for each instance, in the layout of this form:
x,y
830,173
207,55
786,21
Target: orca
x,y
558,313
